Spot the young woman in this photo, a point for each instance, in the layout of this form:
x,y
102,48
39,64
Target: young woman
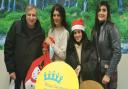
x,y
58,33
80,54
107,41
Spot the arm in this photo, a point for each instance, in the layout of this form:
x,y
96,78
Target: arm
x,y
68,53
60,50
116,50
91,64
9,49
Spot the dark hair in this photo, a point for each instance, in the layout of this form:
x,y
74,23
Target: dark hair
x,y
61,10
72,41
102,3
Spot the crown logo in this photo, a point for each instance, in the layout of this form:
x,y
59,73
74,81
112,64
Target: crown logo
x,y
53,76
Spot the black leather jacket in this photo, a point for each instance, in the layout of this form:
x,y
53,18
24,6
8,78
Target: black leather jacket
x,y
108,46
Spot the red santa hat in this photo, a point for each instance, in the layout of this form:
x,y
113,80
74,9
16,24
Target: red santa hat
x,y
78,24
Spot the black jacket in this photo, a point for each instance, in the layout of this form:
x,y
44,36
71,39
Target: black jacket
x,y
22,46
88,61
108,46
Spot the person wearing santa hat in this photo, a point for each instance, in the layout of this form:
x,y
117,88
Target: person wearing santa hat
x,y
80,54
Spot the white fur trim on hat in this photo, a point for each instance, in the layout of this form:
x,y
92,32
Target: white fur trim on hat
x,y
81,27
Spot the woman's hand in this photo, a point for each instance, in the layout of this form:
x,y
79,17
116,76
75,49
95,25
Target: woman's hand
x,y
106,79
13,75
77,70
50,40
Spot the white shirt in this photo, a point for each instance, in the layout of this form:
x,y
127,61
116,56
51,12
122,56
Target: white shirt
x,y
61,36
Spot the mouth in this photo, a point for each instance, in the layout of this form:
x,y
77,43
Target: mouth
x,y
101,16
77,39
56,21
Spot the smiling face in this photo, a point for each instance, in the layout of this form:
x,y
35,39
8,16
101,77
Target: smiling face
x,y
57,18
31,17
77,35
102,14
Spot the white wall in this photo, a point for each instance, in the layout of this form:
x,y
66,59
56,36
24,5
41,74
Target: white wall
x,y
4,77
122,69
123,72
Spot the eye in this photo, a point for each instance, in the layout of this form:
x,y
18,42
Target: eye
x,y
104,10
75,32
54,15
33,15
58,15
79,31
28,14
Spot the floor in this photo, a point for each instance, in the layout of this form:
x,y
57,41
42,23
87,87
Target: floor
x,y
122,75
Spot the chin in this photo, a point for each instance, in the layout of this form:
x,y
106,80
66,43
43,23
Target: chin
x,y
78,41
100,19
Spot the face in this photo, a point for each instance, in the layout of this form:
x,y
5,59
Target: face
x,y
102,14
31,18
77,35
57,18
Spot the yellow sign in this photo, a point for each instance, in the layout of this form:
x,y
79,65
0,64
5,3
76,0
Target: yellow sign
x,y
57,75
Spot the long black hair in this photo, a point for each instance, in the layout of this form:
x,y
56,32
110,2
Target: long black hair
x,y
97,22
62,12
71,42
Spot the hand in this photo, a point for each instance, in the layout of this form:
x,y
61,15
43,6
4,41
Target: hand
x,y
106,79
77,70
48,41
13,75
52,38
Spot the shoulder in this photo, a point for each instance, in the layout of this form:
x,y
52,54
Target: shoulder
x,y
112,27
16,23
50,31
66,31
110,24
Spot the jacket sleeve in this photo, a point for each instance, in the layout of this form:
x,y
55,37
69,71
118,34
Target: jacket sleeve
x,y
116,50
92,62
9,47
89,68
67,60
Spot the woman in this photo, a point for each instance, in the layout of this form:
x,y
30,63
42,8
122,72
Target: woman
x,y
107,41
58,33
80,53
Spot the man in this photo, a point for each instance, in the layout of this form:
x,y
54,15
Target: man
x,y
23,45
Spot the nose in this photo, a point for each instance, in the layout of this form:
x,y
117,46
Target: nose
x,y
30,16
